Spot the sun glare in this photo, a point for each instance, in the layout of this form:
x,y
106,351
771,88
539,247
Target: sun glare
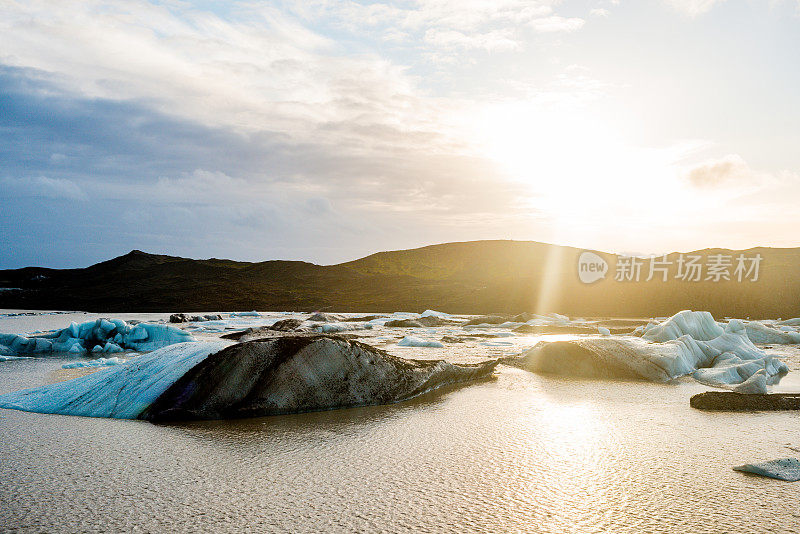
x,y
579,169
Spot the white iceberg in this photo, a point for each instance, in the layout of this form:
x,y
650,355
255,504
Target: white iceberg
x,y
434,313
763,334
245,314
122,391
411,341
728,360
698,324
99,362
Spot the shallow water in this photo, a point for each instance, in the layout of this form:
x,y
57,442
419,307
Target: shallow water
x,y
520,453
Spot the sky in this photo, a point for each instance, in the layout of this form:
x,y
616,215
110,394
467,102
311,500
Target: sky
x,y
325,131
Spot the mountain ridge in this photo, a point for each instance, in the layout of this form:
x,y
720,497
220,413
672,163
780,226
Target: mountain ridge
x,y
491,276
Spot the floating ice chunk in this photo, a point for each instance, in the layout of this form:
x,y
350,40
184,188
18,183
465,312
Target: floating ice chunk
x,y
322,317
783,469
763,334
121,391
411,341
497,343
246,314
791,322
756,384
11,358
146,337
726,361
12,344
700,325
77,348
603,331
101,335
332,328
434,313
268,377
99,362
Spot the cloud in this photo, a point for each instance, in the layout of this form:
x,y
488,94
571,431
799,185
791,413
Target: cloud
x,y
599,12
184,187
43,187
446,27
556,23
728,170
491,41
694,8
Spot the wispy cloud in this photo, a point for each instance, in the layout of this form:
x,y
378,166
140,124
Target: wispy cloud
x,y
43,187
694,8
556,23
728,170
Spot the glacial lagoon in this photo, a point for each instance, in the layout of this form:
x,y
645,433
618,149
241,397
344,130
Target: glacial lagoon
x,y
520,452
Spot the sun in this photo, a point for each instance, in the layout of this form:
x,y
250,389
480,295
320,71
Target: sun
x,y
579,169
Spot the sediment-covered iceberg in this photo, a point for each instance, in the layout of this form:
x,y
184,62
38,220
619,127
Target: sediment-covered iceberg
x,y
332,328
102,335
276,376
783,469
729,360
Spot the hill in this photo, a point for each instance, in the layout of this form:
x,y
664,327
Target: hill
x,y
471,277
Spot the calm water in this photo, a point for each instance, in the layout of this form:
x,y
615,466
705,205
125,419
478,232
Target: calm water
x,y
520,453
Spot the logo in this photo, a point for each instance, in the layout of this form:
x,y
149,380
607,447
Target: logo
x,y
591,267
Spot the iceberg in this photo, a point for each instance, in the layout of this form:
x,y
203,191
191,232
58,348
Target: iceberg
x,y
729,360
332,328
301,374
99,362
245,314
411,341
783,469
763,334
121,392
110,335
434,313
698,324
322,317
486,320
221,380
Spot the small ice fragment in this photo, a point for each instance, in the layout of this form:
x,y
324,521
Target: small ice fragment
x,y
783,469
411,341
